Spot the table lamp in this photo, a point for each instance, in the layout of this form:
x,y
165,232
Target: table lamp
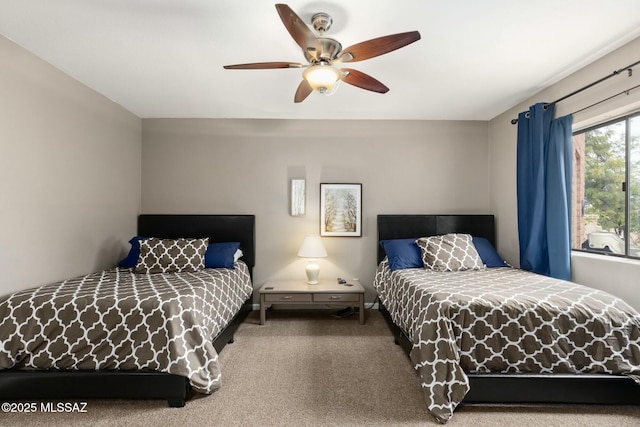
x,y
312,248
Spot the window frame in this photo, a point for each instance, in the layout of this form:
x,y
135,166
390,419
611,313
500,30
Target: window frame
x,y
626,118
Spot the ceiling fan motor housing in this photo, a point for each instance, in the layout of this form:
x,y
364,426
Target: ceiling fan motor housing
x,y
326,51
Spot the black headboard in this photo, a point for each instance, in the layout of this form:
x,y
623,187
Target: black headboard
x,y
414,226
218,228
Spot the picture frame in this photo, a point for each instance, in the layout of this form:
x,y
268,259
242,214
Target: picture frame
x,y
340,210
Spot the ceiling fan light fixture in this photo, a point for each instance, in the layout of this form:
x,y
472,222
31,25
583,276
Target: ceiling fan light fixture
x,y
322,77
323,54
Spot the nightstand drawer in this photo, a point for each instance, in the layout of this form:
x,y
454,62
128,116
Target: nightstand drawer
x,y
336,297
287,297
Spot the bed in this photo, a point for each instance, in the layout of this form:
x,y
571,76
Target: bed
x,y
446,350
192,334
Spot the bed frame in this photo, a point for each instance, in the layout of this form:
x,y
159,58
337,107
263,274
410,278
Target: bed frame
x,y
505,388
67,384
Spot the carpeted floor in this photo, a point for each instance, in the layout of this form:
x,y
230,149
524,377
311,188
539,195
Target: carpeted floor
x,y
313,369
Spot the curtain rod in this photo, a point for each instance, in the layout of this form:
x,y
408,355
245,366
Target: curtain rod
x,y
628,68
608,98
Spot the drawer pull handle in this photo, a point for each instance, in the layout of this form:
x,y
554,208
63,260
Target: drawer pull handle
x,y
287,297
335,297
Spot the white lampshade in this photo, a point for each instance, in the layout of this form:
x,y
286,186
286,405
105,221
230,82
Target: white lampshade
x,y
312,248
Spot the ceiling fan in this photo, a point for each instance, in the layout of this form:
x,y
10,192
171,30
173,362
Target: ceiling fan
x,y
324,53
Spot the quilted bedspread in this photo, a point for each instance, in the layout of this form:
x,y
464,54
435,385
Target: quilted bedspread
x,y
116,319
504,320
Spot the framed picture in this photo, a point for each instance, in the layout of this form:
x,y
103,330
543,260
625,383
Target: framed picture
x,y
341,210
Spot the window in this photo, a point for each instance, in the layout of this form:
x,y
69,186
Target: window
x,y
606,188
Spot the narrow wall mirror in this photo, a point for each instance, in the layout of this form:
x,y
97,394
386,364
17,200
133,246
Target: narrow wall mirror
x,y
297,197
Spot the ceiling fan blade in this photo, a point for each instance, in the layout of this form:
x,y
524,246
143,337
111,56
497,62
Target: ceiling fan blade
x,y
304,89
262,66
379,46
300,32
363,81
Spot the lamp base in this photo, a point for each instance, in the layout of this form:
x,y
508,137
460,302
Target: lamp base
x,y
313,270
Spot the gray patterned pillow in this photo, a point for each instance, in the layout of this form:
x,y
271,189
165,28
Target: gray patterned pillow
x,y
450,252
171,255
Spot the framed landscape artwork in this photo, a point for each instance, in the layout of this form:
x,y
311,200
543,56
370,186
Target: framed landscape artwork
x,y
341,210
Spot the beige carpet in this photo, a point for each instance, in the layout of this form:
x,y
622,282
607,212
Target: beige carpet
x,y
312,369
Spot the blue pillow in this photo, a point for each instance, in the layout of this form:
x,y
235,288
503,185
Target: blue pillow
x,y
132,257
220,255
488,253
402,253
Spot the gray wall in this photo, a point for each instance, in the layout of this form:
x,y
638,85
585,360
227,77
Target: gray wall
x,y
244,166
617,276
69,174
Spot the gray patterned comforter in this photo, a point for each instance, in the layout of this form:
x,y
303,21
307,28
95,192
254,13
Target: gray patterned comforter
x,y
116,319
504,320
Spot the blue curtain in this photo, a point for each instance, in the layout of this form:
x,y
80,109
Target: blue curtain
x,y
544,171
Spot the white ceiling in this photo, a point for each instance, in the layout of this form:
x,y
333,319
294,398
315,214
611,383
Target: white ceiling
x,y
164,58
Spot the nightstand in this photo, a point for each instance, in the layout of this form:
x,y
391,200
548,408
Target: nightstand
x,y
298,292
